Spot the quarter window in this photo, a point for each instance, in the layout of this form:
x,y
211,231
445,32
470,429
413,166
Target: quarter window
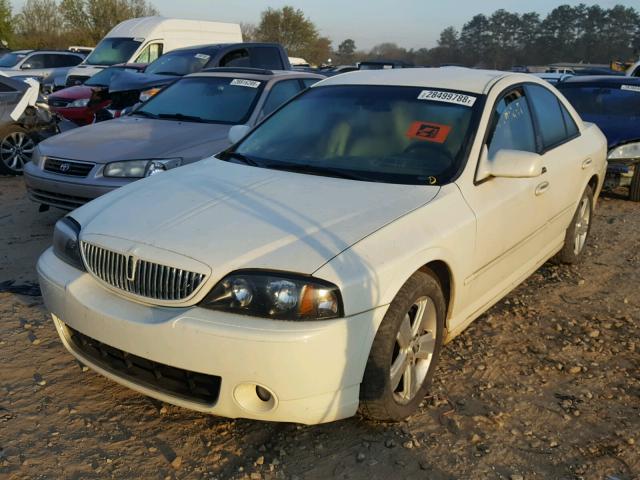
x,y
550,118
513,125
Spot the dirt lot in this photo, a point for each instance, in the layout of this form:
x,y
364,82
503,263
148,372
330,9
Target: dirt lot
x,y
545,386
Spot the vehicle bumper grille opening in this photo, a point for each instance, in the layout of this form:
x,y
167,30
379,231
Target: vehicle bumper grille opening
x,y
192,386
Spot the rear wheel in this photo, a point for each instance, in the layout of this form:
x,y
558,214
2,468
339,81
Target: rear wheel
x,y
405,351
16,148
634,188
578,232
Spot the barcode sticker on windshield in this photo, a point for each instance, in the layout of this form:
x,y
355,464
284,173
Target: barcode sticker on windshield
x,y
202,56
447,97
240,82
631,88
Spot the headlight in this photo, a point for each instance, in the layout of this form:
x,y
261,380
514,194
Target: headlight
x,y
66,243
625,152
275,295
81,102
147,94
140,168
37,158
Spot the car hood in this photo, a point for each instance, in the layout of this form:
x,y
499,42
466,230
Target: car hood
x,y
73,93
130,138
618,130
127,81
231,216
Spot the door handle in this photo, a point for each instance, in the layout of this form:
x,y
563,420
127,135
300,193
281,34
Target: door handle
x,y
586,163
543,187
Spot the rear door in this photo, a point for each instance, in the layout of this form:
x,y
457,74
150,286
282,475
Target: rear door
x,y
558,140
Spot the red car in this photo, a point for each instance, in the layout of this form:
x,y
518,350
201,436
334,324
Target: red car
x,y
80,103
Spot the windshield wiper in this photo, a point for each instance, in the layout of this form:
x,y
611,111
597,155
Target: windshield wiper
x,y
312,170
175,74
227,156
180,116
143,113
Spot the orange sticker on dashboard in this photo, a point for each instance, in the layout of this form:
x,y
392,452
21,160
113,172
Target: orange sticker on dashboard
x,y
431,132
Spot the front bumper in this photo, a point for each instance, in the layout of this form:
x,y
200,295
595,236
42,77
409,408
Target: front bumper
x,y
312,370
61,191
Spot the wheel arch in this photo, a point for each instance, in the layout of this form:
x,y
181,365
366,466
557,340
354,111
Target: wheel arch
x,y
444,274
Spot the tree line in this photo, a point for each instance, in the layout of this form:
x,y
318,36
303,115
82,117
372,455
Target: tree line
x,y
589,34
59,24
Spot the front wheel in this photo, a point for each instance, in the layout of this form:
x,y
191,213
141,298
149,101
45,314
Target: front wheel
x,y
578,232
405,351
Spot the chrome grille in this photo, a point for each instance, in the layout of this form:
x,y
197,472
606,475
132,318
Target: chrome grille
x,y
68,167
140,277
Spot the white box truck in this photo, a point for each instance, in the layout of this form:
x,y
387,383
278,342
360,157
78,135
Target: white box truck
x,y
142,40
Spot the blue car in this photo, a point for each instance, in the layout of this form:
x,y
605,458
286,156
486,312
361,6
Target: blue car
x,y
612,103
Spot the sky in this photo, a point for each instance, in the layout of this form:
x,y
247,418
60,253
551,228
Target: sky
x,y
409,23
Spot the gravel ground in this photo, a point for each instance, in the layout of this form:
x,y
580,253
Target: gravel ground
x,y
544,386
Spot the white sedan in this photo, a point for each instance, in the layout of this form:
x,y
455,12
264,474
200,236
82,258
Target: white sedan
x,y
320,264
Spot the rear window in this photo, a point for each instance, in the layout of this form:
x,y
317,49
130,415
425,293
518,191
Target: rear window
x,y
604,100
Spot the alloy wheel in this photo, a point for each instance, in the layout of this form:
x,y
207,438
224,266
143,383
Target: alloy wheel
x,y
16,150
582,225
414,349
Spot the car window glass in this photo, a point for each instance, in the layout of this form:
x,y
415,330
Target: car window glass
x,y
150,53
66,60
380,133
236,58
593,101
546,108
280,93
513,125
307,82
206,99
569,123
266,57
35,61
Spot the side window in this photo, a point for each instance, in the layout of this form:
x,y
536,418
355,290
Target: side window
x,y
236,58
150,53
307,82
280,93
66,60
570,125
513,126
34,61
546,108
266,57
636,72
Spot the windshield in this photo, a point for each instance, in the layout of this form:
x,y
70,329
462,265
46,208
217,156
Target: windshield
x,y
375,133
113,50
103,77
611,100
179,63
206,99
11,59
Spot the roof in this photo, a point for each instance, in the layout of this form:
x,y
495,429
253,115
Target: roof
x,y
220,46
144,26
257,76
448,78
603,80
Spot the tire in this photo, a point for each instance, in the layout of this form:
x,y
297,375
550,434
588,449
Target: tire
x,y
393,352
634,188
578,232
16,148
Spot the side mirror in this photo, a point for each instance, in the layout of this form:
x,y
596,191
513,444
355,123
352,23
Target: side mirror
x,y
510,164
26,66
237,133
